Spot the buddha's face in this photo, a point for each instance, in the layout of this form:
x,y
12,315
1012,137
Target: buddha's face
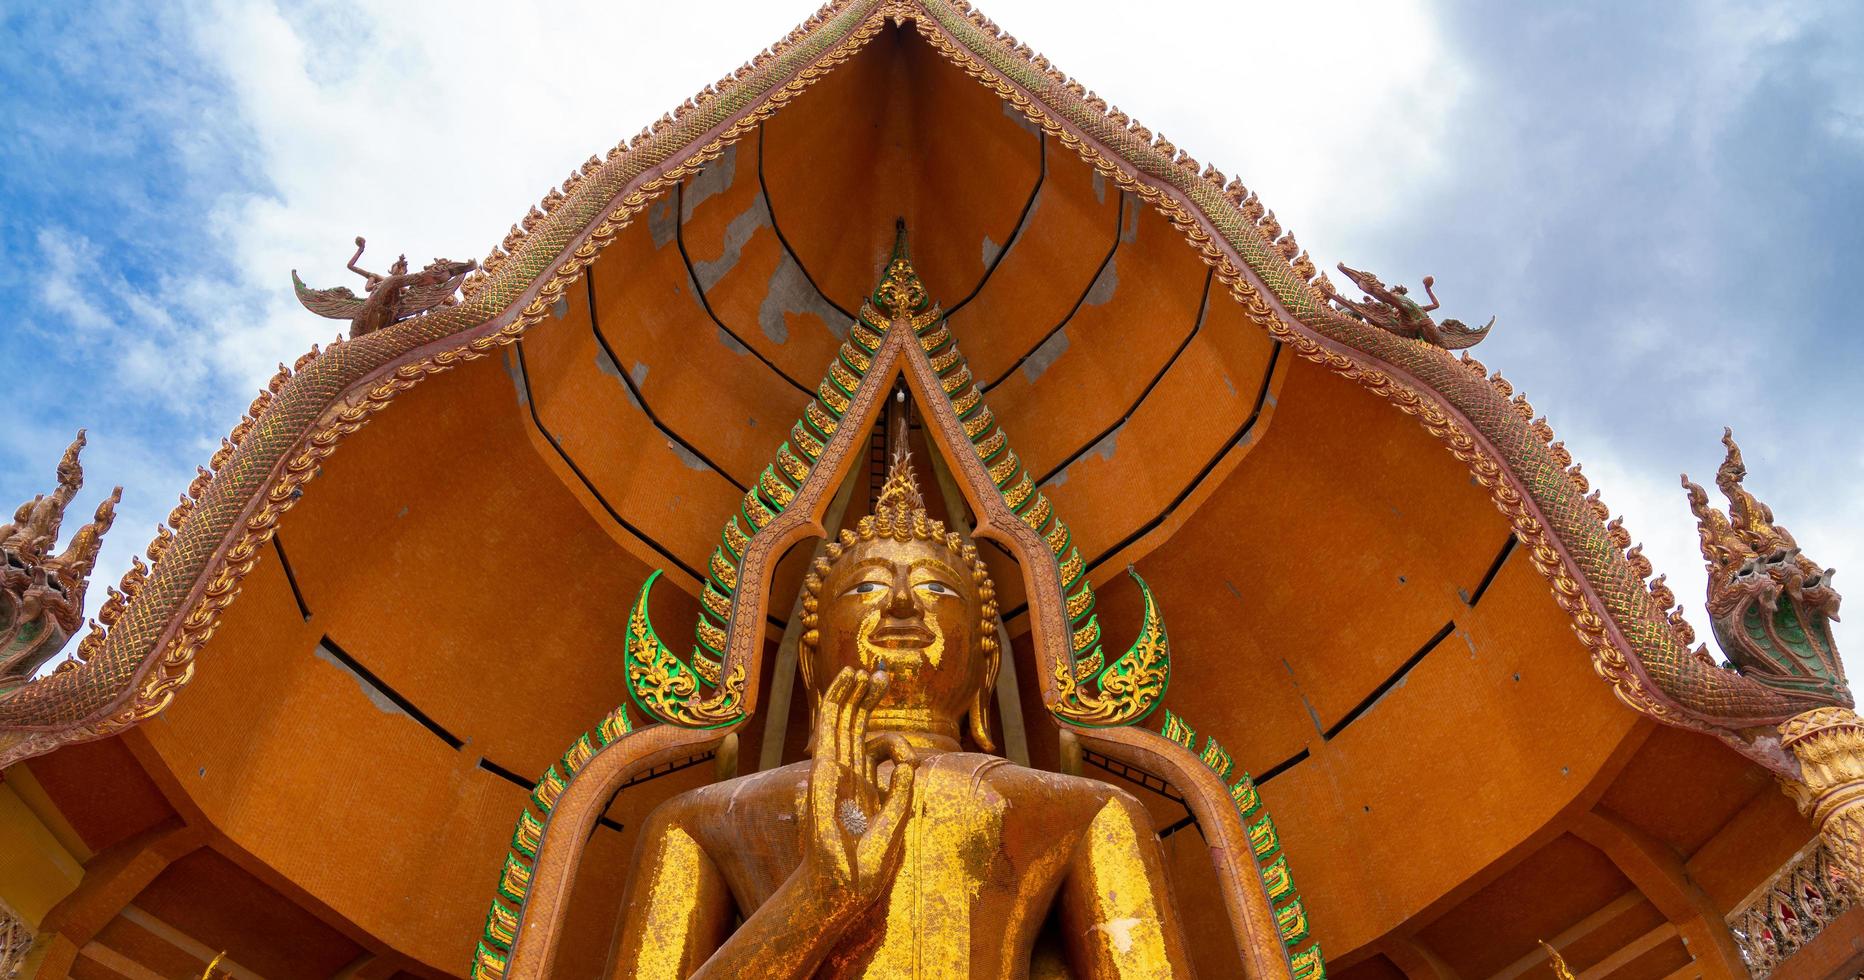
x,y
910,608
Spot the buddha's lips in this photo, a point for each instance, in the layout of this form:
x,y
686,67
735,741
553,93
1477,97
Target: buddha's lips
x,y
901,637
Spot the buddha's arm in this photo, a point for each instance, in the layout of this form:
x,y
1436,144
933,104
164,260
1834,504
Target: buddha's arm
x,y
677,921
1116,906
678,909
679,906
851,845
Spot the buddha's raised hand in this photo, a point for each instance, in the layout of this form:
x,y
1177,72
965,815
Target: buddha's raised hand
x,y
855,834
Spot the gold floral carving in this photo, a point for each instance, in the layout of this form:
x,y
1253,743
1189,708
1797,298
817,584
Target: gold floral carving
x,y
16,939
1829,744
1808,894
1127,689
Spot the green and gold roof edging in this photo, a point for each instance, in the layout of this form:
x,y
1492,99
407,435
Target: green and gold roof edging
x,y
1637,641
1090,690
493,951
1291,923
168,612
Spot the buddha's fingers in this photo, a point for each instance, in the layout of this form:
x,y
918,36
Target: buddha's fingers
x,y
878,853
825,774
847,750
827,714
892,747
861,767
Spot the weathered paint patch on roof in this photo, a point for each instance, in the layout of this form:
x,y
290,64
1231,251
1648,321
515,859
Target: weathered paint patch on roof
x,y
687,456
374,694
791,293
1045,355
510,359
1105,447
731,343
714,179
662,223
737,233
1017,116
1104,284
607,365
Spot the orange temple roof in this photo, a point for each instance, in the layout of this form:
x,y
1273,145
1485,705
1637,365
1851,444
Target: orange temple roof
x,y
1389,593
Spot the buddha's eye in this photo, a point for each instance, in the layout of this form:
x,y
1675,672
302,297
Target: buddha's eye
x,y
937,588
868,588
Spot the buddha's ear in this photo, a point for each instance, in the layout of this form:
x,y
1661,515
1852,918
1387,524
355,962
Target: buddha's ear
x,y
980,704
805,657
980,721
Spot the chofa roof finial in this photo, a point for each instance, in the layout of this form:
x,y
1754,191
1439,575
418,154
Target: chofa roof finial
x,y
43,589
1769,606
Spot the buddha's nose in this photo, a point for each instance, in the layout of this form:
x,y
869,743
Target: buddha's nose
x,y
902,604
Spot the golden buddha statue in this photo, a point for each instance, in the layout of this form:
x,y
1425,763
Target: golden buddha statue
x,y
892,852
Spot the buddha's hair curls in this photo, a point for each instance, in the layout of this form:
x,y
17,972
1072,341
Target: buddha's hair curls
x,y
900,514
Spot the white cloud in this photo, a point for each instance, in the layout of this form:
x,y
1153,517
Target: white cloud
x,y
1329,142
431,136
69,261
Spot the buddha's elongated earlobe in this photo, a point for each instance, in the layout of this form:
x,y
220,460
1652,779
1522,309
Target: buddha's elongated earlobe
x,y
980,723
980,704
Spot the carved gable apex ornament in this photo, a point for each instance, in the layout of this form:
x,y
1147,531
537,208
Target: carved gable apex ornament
x,y
42,588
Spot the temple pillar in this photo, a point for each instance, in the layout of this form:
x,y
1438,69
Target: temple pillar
x,y
43,862
111,881
1658,873
1417,960
1829,744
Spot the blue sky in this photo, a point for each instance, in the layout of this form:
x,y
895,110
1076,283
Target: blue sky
x,y
1660,202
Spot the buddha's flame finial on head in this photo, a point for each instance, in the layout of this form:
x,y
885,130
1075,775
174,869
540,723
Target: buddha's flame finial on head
x,y
901,491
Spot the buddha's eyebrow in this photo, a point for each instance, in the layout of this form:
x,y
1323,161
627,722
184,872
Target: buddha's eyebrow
x,y
935,565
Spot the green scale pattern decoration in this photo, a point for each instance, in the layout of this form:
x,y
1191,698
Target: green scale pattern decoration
x,y
1265,845
493,952
693,693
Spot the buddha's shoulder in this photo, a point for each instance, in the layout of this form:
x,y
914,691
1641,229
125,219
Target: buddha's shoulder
x,y
1011,780
727,795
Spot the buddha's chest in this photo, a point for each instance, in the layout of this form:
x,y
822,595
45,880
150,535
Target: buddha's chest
x,y
975,878
978,868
